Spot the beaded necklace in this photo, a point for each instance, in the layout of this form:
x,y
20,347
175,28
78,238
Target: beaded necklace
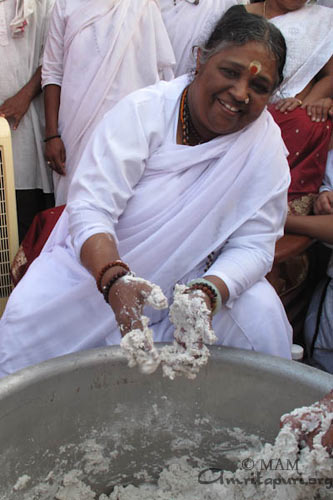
x,y
188,129
190,136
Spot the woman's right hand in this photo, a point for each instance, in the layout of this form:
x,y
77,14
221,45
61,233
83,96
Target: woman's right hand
x,y
128,296
55,154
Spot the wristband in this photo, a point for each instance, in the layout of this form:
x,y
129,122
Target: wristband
x,y
108,266
106,288
52,137
214,295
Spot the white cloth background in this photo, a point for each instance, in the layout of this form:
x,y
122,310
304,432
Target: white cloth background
x,y
168,205
309,37
189,25
327,3
99,52
19,59
23,10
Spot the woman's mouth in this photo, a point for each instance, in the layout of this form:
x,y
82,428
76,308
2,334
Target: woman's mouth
x,y
228,107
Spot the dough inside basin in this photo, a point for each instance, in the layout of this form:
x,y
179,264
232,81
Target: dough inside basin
x,y
90,412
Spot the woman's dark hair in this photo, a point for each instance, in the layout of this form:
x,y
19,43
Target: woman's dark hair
x,y
238,27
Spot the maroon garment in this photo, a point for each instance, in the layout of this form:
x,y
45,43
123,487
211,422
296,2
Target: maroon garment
x,y
34,240
307,143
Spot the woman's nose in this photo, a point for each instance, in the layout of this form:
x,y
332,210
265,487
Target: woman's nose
x,y
240,90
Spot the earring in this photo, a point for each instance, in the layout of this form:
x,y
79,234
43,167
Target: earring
x,y
247,100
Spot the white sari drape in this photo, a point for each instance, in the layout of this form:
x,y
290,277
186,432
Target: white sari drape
x,y
309,37
99,52
168,206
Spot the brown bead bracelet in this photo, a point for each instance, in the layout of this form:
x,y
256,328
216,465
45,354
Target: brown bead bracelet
x,y
108,266
214,294
106,288
209,291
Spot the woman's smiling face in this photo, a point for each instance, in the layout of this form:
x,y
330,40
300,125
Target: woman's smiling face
x,y
237,74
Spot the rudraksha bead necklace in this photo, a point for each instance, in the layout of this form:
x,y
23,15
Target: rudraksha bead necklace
x,y
190,136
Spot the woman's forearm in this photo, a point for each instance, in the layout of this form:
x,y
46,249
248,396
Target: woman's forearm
x,y
315,226
51,103
322,88
98,251
33,88
322,83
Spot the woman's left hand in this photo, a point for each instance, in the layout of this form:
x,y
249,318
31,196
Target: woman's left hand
x,y
319,110
191,315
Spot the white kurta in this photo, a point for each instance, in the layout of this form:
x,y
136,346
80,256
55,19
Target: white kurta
x,y
189,25
19,59
168,206
98,55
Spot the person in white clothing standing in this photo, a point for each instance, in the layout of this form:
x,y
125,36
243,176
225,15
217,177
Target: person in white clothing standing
x,y
189,23
23,29
96,53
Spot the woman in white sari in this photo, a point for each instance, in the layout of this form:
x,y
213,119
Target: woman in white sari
x,y
96,53
182,180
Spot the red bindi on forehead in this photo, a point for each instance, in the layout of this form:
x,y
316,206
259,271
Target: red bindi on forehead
x,y
255,67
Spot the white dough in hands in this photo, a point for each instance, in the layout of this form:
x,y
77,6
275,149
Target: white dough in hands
x,y
138,345
155,297
192,320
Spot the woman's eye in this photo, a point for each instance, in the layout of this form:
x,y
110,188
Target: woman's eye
x,y
260,88
229,73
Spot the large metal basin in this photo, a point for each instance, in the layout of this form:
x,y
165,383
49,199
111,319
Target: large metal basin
x,y
47,411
